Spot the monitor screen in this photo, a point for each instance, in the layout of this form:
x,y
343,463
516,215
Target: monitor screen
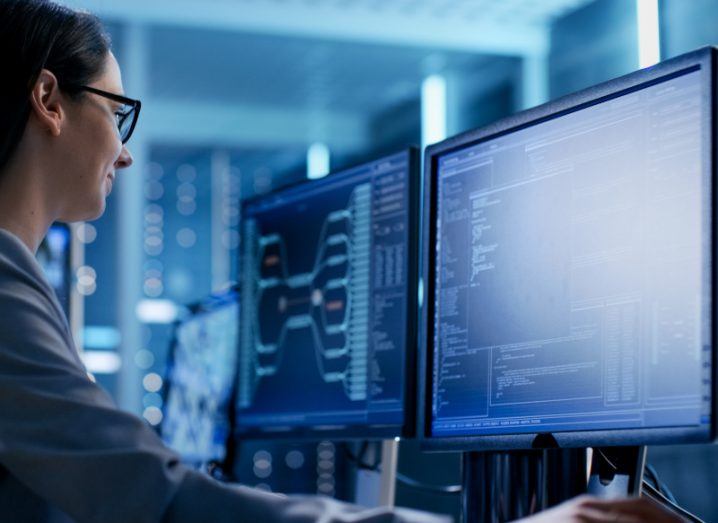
x,y
54,255
571,280
326,279
200,379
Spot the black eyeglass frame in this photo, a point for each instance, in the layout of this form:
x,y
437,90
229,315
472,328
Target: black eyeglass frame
x,y
135,104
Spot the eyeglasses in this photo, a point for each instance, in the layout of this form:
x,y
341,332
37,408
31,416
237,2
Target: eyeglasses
x,y
126,116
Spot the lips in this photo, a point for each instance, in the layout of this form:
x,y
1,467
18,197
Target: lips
x,y
111,177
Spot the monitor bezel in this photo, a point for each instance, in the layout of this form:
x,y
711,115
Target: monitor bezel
x,y
207,305
704,59
364,432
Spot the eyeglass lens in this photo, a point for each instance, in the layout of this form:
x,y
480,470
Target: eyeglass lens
x,y
125,118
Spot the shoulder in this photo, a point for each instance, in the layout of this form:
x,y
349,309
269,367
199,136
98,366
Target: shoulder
x,y
22,282
29,321
18,267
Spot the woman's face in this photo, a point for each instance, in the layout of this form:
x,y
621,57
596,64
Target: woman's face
x,y
92,148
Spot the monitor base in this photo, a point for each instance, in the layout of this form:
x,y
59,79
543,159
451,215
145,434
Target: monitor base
x,y
502,486
505,486
616,472
377,488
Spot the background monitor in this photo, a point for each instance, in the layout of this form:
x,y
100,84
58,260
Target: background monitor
x,y
570,284
54,255
200,380
328,275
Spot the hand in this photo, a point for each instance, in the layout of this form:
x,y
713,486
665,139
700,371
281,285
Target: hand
x,y
587,509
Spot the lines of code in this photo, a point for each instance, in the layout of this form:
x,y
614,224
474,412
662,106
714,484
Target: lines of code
x,y
571,282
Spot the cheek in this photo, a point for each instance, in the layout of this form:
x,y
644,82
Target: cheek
x,y
91,147
106,146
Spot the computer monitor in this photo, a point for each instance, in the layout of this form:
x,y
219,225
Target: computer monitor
x,y
55,257
200,379
328,283
569,270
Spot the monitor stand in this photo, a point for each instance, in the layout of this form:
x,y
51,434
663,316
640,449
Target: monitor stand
x,y
616,472
377,488
504,486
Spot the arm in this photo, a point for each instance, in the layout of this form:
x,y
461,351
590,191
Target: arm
x,y
199,496
62,436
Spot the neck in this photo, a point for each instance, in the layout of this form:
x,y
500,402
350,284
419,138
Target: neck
x,y
24,204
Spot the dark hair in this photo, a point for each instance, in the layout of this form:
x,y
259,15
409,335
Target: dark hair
x,y
37,35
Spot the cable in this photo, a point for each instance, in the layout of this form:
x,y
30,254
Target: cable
x,y
660,498
655,493
437,489
358,460
649,474
607,459
402,478
660,486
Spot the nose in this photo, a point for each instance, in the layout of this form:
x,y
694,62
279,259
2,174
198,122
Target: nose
x,y
124,160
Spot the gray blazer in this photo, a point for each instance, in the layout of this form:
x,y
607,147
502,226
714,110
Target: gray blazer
x,y
68,454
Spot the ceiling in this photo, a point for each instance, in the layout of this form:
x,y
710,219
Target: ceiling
x,y
304,73
274,74
501,12
496,27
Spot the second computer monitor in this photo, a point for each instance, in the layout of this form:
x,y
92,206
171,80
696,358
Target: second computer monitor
x,y
570,270
328,300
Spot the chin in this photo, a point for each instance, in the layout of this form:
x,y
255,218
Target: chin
x,y
85,215
97,213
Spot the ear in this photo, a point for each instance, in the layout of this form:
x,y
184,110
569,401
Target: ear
x,y
46,102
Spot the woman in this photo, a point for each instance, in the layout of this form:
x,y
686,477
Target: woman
x,y
65,450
